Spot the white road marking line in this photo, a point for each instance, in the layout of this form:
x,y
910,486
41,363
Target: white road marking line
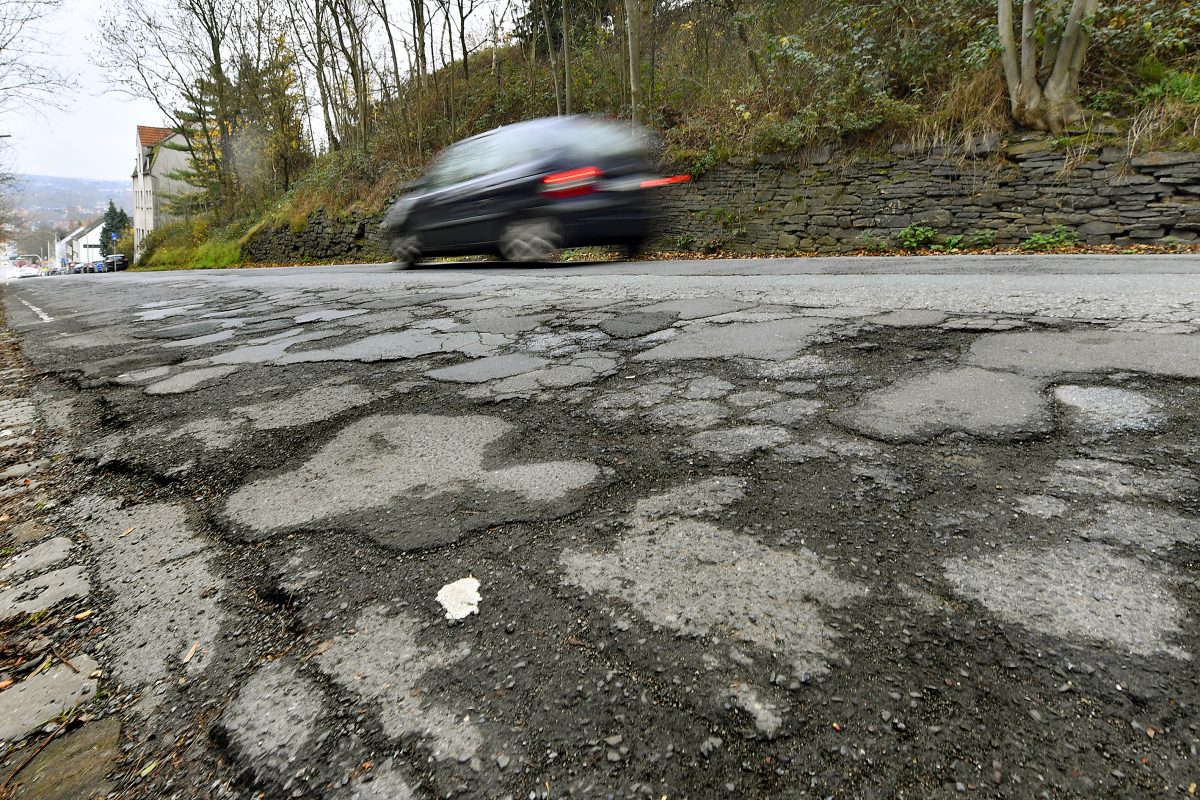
x,y
42,315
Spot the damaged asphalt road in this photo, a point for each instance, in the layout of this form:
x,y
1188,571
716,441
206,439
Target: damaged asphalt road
x,y
851,528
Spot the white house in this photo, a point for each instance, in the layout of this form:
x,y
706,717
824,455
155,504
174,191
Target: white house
x,y
158,157
82,244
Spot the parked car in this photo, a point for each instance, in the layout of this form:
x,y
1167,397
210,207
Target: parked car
x,y
27,271
115,262
58,269
76,267
523,191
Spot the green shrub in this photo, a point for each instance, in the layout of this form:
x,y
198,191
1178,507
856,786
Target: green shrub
x,y
1060,236
1182,87
954,242
984,237
915,237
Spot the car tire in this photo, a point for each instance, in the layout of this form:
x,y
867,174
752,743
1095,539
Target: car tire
x,y
530,240
406,250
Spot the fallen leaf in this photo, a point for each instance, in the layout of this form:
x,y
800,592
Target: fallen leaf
x,y
82,615
1150,732
146,770
125,533
4,684
192,651
1192,790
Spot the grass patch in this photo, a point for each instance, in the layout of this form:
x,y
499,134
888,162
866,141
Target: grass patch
x,y
192,244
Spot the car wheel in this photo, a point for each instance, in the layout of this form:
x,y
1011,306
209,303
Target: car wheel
x,y
530,240
406,250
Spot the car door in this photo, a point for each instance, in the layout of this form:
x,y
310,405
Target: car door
x,y
452,209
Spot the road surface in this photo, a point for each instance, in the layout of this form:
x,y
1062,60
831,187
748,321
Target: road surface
x,y
788,528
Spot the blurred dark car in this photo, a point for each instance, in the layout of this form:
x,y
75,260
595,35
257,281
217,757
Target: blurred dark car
x,y
115,262
525,190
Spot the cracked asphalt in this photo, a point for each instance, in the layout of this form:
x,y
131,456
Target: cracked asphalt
x,y
861,528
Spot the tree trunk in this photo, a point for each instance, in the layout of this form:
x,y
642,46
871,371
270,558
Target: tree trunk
x,y
1044,92
632,23
566,58
553,64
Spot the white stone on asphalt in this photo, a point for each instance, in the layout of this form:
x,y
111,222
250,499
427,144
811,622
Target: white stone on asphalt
x,y
408,452
994,405
1084,593
44,591
1107,409
45,555
383,662
460,598
28,705
702,580
768,719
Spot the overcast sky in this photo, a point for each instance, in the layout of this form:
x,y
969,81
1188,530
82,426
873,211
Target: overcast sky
x,y
93,135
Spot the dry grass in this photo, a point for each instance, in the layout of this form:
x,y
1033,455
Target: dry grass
x,y
1165,123
973,108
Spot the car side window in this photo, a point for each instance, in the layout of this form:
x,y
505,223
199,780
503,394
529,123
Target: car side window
x,y
512,149
450,168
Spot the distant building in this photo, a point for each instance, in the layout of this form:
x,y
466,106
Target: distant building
x,y
157,159
82,244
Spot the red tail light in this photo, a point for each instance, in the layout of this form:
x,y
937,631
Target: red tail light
x,y
572,182
653,182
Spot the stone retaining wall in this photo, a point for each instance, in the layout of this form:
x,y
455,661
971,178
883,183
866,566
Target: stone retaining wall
x,y
831,204
825,201
356,238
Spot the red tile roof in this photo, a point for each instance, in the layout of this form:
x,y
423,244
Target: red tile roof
x,y
149,136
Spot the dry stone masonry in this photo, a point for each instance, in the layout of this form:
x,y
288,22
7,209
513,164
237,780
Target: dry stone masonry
x,y
827,201
833,203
